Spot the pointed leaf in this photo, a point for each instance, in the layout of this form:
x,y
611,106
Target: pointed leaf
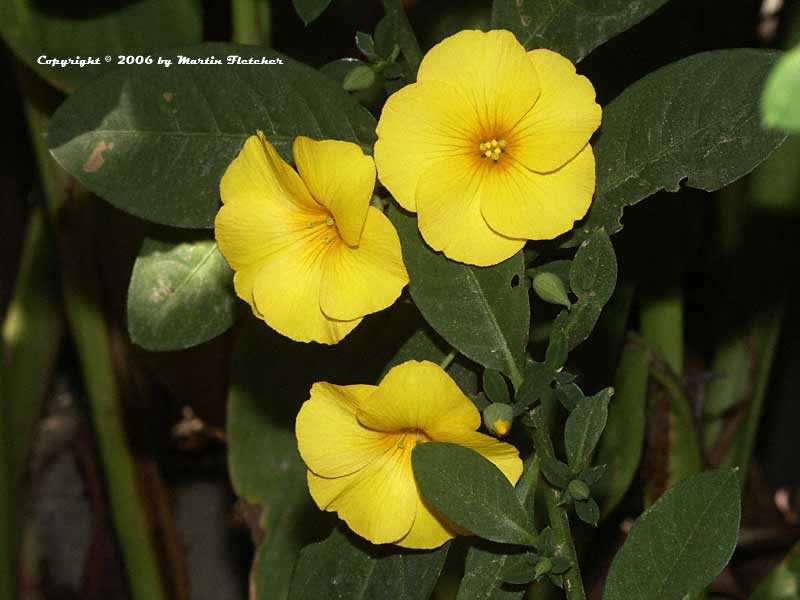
x,y
155,141
583,429
310,10
696,121
345,567
180,295
681,542
481,311
471,492
495,386
570,27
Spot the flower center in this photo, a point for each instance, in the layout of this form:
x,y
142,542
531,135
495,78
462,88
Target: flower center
x,y
492,149
329,223
412,437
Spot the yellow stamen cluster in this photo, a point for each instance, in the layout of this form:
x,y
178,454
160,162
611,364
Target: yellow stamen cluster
x,y
492,149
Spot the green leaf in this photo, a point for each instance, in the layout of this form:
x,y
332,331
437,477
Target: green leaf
x,y
556,472
486,562
495,386
781,102
583,429
588,511
366,45
471,492
623,439
33,28
593,276
310,10
695,121
155,141
345,567
571,27
520,568
569,395
180,295
481,311
681,542
536,382
783,582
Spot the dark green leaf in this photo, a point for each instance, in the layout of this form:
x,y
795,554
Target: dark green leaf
x,y
520,568
386,35
593,277
588,511
695,121
310,10
622,441
344,567
180,295
557,350
569,395
571,27
366,45
481,311
34,28
583,429
781,103
556,267
783,582
486,561
592,475
557,473
155,141
536,382
681,542
495,386
471,492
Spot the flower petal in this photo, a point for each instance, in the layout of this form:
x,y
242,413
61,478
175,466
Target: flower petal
x,y
492,69
363,280
258,174
448,202
429,530
341,178
504,456
378,502
419,124
331,441
563,119
539,206
418,395
287,291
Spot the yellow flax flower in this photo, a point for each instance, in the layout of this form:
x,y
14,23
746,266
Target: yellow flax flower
x,y
490,146
356,441
311,256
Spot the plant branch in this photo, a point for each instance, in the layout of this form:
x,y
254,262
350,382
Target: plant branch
x,y
251,22
406,38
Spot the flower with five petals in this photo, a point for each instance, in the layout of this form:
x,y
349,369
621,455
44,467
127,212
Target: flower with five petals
x,y
311,256
356,441
490,146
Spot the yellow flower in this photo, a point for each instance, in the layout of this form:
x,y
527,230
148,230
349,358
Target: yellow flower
x,y
490,146
311,256
356,441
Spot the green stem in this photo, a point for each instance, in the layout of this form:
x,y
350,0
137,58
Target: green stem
x,y
251,22
8,513
405,35
447,360
558,515
662,327
68,211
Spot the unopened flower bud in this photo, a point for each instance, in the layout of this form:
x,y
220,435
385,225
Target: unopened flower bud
x,y
498,418
550,288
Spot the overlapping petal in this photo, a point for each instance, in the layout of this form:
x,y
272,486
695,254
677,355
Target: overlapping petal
x,y
504,456
563,119
428,531
418,395
539,206
421,124
449,196
341,178
363,280
493,71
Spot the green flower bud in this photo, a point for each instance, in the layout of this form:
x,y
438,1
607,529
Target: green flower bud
x,y
578,489
360,78
498,418
550,288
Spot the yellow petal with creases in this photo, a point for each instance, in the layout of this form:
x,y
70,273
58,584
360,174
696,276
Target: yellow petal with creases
x,y
331,441
539,206
341,178
365,279
420,124
418,395
450,220
563,119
